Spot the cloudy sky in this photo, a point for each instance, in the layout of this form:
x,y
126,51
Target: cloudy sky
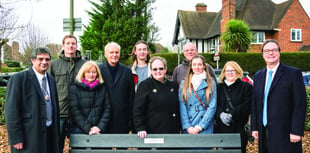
x,y
49,14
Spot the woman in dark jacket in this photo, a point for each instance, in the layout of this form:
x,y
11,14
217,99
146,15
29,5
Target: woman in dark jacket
x,y
156,105
233,114
89,101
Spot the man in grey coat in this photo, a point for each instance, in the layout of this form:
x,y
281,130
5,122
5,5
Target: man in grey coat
x,y
179,72
31,108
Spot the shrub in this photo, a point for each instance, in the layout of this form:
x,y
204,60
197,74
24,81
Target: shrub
x,y
11,63
2,102
307,124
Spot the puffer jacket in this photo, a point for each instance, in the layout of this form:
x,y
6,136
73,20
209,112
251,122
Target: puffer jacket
x,y
89,106
64,70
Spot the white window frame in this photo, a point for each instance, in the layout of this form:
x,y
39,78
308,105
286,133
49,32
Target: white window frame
x,y
297,34
257,35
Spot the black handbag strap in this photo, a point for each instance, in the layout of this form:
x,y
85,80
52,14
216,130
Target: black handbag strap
x,y
227,98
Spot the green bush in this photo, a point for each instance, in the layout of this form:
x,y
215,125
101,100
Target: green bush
x,y
11,69
2,102
11,63
307,125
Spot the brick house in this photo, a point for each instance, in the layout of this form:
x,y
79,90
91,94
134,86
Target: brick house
x,y
287,22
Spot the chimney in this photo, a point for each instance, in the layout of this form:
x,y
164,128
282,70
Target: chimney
x,y
201,7
228,12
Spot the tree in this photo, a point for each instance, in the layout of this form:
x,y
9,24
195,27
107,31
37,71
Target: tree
x,y
237,36
31,38
121,21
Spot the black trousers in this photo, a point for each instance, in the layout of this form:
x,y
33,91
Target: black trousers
x,y
49,140
265,140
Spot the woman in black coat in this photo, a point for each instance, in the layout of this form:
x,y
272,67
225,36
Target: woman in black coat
x,y
156,105
232,115
89,101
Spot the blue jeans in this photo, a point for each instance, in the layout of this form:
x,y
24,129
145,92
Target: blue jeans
x,y
64,126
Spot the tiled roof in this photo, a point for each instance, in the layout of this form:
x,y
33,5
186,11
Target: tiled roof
x,y
196,24
258,14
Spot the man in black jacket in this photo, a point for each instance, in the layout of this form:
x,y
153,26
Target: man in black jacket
x,y
120,84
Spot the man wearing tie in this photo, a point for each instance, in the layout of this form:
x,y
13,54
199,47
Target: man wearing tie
x,y
31,108
278,105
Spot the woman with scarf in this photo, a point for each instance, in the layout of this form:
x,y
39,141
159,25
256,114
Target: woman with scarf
x,y
234,101
197,96
89,101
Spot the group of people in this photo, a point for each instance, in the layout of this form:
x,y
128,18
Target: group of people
x,y
69,95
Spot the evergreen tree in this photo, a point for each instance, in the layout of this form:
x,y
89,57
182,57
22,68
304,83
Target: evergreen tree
x,y
237,36
121,21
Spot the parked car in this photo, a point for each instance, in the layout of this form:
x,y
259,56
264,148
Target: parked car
x,y
245,78
306,77
4,78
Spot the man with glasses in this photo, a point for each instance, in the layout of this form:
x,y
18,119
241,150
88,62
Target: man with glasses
x,y
278,104
31,108
180,71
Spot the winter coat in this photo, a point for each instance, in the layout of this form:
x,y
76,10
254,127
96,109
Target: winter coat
x,y
135,76
156,108
64,70
122,94
25,113
193,113
240,94
89,106
286,108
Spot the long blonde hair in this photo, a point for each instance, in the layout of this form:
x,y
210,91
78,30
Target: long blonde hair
x,y
187,83
86,66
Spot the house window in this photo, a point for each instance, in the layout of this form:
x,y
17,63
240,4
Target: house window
x,y
295,34
258,37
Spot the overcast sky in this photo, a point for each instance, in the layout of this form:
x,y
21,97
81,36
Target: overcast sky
x,y
49,14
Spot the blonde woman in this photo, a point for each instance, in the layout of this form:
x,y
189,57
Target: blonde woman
x,y
197,96
89,101
233,102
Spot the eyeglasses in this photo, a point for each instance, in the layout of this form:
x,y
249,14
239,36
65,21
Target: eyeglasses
x,y
189,50
160,69
230,71
268,51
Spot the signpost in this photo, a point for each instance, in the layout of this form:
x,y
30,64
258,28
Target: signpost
x,y
77,24
216,58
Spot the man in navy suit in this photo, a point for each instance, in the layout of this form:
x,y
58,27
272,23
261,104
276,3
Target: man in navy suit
x,y
119,81
31,108
279,104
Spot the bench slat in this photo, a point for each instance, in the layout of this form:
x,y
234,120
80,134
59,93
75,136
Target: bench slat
x,y
156,151
156,141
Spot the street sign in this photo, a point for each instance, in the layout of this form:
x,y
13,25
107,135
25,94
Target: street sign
x,y
76,27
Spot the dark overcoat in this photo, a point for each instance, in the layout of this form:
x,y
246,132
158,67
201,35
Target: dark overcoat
x,y
156,107
240,94
25,113
121,92
286,108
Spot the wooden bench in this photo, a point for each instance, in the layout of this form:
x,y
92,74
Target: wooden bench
x,y
158,143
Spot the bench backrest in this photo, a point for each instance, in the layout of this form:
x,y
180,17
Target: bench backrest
x,y
163,142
